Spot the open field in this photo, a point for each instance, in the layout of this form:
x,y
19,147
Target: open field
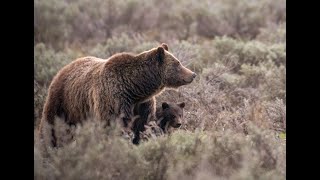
x,y
235,116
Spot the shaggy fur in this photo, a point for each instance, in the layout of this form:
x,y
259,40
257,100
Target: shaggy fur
x,y
105,90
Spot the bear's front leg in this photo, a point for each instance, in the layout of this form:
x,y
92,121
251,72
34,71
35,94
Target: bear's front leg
x,y
145,112
126,117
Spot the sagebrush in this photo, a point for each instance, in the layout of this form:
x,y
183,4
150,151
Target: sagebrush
x,y
234,124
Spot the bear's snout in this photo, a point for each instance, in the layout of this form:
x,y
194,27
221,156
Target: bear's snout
x,y
190,77
187,75
194,75
176,125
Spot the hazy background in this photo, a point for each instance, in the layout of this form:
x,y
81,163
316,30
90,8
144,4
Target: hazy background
x,y
235,115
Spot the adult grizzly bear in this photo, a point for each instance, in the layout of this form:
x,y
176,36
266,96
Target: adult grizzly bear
x,y
110,89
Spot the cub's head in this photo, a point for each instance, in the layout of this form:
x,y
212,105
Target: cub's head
x,y
170,115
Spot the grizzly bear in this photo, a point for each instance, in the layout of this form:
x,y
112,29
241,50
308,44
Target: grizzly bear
x,y
169,115
110,89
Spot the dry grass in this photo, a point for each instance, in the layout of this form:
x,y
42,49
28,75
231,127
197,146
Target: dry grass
x,y
235,116
101,154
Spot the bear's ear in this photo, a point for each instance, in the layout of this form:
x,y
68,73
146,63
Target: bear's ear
x,y
182,104
160,54
165,105
165,46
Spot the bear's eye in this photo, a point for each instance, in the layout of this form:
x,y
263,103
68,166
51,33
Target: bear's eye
x,y
173,116
177,67
175,63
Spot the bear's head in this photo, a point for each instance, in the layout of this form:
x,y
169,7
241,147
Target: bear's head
x,y
170,115
173,73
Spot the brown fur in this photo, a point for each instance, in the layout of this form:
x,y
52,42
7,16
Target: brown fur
x,y
169,115
106,89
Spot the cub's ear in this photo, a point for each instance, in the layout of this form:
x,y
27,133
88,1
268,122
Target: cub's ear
x,y
182,104
165,46
165,105
160,54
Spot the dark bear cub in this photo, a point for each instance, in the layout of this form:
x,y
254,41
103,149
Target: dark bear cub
x,y
169,115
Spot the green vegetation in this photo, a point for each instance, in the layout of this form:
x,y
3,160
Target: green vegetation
x,y
235,116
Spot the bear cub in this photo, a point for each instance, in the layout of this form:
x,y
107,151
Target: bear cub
x,y
169,115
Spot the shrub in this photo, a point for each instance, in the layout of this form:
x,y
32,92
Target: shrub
x,y
238,18
112,46
273,34
251,52
47,62
234,123
40,94
100,155
50,22
276,113
69,22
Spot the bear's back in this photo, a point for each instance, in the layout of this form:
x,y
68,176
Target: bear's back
x,y
80,69
75,85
